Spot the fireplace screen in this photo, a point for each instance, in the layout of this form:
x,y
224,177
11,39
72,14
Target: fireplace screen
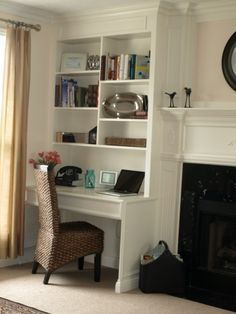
x,y
222,246
207,230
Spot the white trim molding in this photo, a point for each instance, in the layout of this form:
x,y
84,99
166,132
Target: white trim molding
x,y
203,10
103,13
25,12
215,10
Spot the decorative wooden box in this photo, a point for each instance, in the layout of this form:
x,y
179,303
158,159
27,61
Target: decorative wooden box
x,y
122,141
67,137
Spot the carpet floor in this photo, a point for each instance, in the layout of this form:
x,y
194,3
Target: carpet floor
x,y
73,291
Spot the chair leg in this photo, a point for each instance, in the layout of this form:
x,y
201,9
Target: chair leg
x,y
81,263
46,277
97,267
35,267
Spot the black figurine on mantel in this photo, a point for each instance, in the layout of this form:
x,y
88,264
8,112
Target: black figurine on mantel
x,y
172,95
187,100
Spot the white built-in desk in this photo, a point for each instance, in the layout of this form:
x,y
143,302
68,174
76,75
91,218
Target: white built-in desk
x,y
137,216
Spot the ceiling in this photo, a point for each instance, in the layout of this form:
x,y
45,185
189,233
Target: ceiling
x,y
58,7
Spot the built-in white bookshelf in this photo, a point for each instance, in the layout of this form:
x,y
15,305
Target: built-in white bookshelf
x,y
82,119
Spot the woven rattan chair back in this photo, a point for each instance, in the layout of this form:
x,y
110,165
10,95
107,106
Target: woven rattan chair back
x,y
49,214
60,243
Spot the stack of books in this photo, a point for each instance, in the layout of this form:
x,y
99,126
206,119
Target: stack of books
x,y
69,94
124,67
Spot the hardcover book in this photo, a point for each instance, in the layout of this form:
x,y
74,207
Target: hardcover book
x,y
103,68
142,67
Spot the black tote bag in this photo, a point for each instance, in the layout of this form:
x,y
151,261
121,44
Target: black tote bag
x,y
164,275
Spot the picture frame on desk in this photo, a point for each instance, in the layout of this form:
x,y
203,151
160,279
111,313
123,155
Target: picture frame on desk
x,y
108,177
73,62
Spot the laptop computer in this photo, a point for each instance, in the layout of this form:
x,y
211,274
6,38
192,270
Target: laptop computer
x,y
127,184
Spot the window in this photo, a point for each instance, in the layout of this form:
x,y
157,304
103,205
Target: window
x,y
2,55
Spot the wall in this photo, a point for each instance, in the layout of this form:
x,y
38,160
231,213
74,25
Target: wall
x,y
41,78
39,101
38,118
209,82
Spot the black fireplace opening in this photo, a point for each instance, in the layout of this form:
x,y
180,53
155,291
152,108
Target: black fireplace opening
x,y
207,233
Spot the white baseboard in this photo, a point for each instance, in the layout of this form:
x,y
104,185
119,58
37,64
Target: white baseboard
x,y
27,258
107,261
128,283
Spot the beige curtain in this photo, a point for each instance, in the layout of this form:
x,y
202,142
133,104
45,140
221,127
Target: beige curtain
x,y
13,129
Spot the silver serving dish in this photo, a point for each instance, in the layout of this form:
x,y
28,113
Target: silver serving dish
x,y
123,105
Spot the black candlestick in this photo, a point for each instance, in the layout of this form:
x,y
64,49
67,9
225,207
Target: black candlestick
x,y
171,95
187,100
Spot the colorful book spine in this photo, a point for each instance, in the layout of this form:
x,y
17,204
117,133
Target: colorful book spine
x,y
92,96
122,65
132,66
57,96
118,68
142,67
64,92
126,68
103,68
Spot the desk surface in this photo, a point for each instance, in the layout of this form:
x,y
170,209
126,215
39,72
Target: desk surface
x,y
79,191
88,201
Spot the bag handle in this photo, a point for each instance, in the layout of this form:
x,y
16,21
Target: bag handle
x,y
162,242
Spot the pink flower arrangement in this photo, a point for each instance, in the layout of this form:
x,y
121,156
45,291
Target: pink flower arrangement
x,y
51,158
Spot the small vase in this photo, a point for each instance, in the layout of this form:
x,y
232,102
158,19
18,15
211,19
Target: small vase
x,y
44,168
90,178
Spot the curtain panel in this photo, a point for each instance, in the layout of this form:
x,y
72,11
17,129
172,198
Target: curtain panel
x,y
13,134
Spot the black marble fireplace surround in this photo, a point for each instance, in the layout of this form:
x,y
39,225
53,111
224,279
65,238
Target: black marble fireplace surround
x,y
207,233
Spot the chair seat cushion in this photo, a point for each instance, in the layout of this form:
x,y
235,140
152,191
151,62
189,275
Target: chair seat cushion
x,y
81,238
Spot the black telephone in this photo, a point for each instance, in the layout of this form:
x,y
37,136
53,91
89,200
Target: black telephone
x,y
66,175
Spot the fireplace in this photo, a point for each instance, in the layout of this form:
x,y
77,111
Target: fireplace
x,y
207,233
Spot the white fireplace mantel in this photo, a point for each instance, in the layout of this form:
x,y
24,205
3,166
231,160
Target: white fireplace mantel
x,y
205,135
192,135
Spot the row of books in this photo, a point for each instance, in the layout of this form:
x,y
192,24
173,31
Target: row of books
x,y
69,94
124,67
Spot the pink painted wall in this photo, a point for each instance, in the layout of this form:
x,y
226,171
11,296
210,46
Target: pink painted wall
x,y
209,82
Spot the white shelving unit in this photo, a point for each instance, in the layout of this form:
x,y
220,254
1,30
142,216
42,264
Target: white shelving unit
x,y
82,119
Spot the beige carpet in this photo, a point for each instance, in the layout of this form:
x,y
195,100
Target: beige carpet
x,y
72,291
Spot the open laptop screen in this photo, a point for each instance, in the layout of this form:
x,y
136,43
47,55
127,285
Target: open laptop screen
x,y
129,181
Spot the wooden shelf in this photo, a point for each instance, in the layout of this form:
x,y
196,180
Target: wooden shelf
x,y
123,120
102,146
77,108
76,73
122,82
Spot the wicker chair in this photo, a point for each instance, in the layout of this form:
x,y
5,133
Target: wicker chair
x,y
60,243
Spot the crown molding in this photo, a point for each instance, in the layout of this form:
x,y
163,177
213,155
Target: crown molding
x,y
101,13
208,10
215,10
39,15
174,9
25,12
